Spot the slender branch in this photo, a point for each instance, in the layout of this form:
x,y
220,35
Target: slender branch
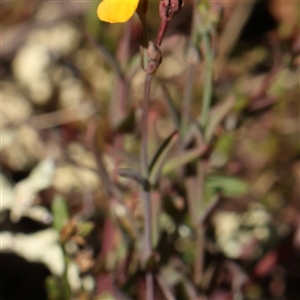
x,y
153,58
208,73
200,231
199,261
146,191
206,35
167,11
162,31
186,103
144,149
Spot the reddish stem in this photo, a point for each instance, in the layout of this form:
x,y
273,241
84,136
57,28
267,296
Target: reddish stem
x,y
162,31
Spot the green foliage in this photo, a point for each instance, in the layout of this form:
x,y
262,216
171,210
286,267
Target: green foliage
x,y
53,288
60,212
181,160
84,228
160,155
227,186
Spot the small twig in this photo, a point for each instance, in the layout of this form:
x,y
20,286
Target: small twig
x,y
162,31
167,11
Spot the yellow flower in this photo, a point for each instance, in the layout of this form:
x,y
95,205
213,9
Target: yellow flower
x,y
116,11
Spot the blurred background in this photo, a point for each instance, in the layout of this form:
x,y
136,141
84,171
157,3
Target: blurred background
x,y
71,104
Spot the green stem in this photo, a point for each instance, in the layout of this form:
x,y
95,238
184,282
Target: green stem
x,y
146,191
187,98
144,149
199,262
66,285
208,80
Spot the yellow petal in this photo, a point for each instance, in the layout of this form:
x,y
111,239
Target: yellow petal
x,y
116,11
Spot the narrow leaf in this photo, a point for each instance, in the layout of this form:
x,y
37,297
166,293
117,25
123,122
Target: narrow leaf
x,y
228,186
60,212
53,288
85,228
217,114
161,149
182,159
129,173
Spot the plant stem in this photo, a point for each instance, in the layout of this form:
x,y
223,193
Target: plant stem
x,y
162,31
144,149
149,286
146,191
199,262
66,286
187,98
207,93
200,232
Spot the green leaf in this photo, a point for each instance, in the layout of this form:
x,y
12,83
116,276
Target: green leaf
x,y
217,114
182,159
53,288
228,186
132,174
85,228
60,212
225,143
159,157
240,103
